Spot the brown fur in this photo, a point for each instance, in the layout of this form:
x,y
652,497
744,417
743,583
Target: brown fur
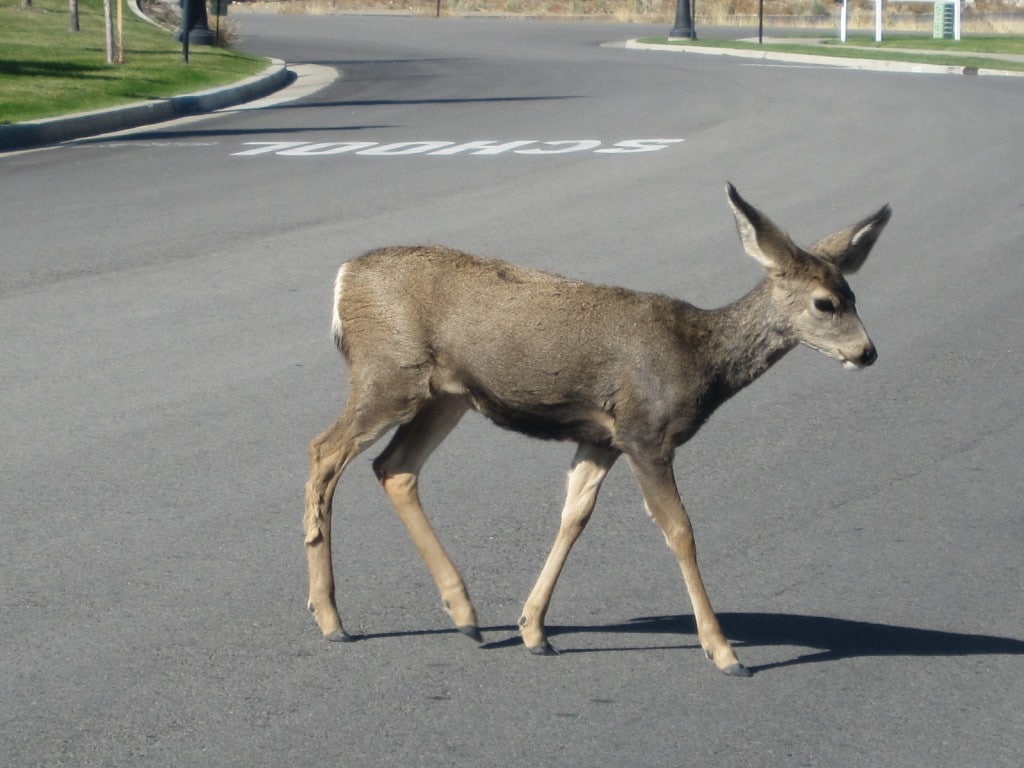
x,y
431,332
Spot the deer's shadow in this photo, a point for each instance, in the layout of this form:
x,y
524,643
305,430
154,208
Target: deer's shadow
x,y
831,638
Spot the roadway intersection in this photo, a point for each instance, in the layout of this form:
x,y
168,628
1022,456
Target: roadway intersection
x,y
165,298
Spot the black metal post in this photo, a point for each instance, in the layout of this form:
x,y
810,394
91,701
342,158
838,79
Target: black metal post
x,y
195,26
684,27
186,25
760,22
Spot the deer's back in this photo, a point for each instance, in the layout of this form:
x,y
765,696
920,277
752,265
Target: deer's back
x,y
536,352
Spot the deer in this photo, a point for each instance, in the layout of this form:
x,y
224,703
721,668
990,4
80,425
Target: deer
x,y
429,333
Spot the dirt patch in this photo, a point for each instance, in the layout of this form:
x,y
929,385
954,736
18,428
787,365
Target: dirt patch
x,y
980,17
620,10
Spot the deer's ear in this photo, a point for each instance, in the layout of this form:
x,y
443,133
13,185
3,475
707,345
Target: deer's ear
x,y
848,248
761,239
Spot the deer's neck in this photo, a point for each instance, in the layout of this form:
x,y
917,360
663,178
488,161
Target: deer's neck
x,y
751,335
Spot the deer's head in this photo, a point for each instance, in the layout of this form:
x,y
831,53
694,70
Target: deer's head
x,y
808,286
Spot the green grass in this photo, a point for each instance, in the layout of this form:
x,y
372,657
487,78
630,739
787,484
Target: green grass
x,y
946,52
46,71
996,44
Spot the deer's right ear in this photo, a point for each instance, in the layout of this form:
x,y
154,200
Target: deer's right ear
x,y
761,239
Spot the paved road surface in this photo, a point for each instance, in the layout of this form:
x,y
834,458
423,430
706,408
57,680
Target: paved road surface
x,y
164,302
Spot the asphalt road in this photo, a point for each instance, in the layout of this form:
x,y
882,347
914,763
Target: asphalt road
x,y
164,306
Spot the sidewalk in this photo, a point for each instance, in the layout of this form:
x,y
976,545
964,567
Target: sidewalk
x,y
875,65
56,129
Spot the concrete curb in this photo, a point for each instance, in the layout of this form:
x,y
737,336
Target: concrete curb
x,y
872,65
56,129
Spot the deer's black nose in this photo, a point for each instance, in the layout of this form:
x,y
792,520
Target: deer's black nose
x,y
869,356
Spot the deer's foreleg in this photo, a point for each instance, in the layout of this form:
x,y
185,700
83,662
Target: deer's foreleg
x,y
398,470
589,468
658,486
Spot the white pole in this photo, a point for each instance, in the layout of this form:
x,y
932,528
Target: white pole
x,y
119,48
842,23
878,21
956,20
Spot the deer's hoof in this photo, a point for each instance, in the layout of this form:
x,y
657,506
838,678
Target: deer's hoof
x,y
341,636
736,670
544,649
473,633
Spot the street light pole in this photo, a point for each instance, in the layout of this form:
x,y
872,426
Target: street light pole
x,y
684,27
186,25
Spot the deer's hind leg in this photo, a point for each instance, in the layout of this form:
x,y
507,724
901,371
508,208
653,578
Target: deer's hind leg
x,y
398,469
365,418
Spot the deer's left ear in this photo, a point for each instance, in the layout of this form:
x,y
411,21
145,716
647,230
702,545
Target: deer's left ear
x,y
848,248
761,239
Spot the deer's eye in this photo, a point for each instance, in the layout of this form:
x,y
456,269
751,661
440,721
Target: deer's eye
x,y
826,306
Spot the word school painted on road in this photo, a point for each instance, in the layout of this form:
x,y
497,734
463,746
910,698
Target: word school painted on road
x,y
448,148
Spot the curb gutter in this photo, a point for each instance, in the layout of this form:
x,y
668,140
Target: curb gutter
x,y
873,65
57,129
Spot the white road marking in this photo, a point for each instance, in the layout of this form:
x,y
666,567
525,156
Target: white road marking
x,y
449,148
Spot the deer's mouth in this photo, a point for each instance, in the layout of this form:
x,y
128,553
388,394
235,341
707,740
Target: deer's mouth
x,y
852,361
867,357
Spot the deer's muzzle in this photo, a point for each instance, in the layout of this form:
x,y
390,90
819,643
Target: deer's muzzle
x,y
866,357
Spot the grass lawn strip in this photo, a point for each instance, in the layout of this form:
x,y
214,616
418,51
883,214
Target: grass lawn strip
x,y
46,70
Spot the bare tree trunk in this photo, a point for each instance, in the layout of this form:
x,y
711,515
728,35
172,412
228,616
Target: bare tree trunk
x,y
73,16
